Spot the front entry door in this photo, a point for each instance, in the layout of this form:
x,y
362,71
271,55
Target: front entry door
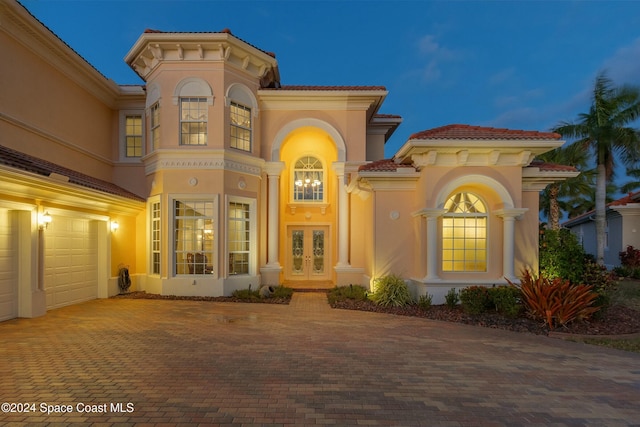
x,y
307,249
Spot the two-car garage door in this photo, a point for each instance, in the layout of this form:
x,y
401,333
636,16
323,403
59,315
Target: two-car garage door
x,y
71,261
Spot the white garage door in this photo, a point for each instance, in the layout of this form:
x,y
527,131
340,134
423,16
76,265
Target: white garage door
x,y
71,261
8,260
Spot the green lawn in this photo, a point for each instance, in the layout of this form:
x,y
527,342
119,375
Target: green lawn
x,y
627,293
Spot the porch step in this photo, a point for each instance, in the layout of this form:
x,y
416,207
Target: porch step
x,y
309,286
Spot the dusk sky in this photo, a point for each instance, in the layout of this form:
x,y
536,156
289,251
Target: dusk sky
x,y
515,64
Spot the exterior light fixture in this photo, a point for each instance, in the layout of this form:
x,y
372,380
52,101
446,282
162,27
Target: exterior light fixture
x,y
44,220
114,226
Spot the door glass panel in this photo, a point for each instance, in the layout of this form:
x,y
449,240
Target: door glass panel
x,y
318,252
297,252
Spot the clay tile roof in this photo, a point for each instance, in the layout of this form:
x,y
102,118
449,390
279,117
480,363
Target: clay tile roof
x,y
456,131
385,165
25,162
330,88
551,167
629,198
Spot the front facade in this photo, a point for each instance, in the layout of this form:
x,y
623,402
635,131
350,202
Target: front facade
x,y
213,177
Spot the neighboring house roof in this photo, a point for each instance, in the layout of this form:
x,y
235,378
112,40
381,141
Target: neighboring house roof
x,y
623,201
25,162
457,131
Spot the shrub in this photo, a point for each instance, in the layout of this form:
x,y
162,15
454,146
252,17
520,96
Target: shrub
x,y
341,293
557,301
452,298
425,301
392,291
630,257
597,276
246,294
475,299
506,300
282,292
561,255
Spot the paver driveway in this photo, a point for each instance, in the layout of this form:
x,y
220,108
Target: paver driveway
x,y
186,362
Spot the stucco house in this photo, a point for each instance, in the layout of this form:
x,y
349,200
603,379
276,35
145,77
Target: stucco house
x,y
622,228
215,176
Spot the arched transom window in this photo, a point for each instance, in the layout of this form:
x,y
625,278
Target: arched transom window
x,y
464,233
308,180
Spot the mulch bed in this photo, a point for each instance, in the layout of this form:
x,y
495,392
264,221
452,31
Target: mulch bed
x,y
144,295
615,320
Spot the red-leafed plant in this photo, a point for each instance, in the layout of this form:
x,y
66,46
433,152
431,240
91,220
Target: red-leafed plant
x,y
630,257
557,301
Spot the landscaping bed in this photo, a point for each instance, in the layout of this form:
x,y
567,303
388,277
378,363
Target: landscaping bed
x,y
615,320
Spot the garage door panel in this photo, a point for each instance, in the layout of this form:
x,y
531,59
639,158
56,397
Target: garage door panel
x,y
8,265
71,271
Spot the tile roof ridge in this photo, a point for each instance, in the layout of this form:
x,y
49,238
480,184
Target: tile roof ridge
x,y
465,131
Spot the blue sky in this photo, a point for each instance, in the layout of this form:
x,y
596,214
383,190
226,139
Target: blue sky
x,y
515,64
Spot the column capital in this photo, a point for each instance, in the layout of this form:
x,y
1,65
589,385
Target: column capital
x,y
273,168
430,212
511,212
339,167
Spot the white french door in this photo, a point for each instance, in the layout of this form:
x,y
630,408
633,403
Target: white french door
x,y
308,253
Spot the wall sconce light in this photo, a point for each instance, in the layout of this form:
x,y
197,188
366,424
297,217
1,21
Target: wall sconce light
x,y
114,226
44,220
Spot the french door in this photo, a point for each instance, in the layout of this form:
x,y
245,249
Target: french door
x,y
308,253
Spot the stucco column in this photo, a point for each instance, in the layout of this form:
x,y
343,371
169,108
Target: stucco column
x,y
509,217
273,170
432,216
343,216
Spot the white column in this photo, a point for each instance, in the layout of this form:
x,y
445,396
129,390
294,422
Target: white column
x,y
343,217
432,216
273,170
509,217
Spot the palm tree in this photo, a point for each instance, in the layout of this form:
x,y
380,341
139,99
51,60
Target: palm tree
x,y
604,131
583,200
632,186
552,197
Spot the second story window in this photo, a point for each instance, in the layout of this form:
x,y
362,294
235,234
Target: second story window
x,y
155,126
133,136
193,121
240,127
308,180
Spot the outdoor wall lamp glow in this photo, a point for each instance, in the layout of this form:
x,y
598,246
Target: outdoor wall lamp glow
x,y
114,226
44,220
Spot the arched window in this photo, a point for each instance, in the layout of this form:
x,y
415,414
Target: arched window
x,y
308,180
243,108
464,233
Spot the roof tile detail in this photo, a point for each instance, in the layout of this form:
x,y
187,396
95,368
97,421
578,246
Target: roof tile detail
x,y
457,131
25,162
551,167
385,165
328,88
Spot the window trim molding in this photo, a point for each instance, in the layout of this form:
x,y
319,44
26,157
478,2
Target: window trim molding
x,y
216,232
325,182
253,234
486,215
150,202
122,135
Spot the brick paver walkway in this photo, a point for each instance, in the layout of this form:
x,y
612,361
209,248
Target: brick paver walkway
x,y
157,362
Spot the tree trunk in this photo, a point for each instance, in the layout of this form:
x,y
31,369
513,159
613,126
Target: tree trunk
x,y
601,193
554,208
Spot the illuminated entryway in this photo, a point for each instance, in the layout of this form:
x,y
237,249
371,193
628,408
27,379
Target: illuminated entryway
x,y
308,253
